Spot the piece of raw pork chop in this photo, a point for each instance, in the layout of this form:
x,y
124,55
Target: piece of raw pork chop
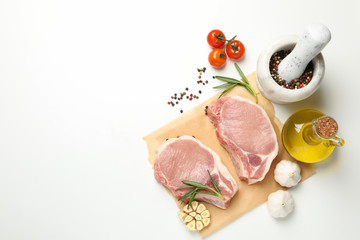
x,y
245,130
186,158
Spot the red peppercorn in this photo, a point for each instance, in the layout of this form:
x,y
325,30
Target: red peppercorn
x,y
199,77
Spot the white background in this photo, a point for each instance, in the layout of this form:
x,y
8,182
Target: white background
x,y
81,82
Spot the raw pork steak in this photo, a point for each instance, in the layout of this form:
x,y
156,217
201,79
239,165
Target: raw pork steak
x,y
245,130
186,158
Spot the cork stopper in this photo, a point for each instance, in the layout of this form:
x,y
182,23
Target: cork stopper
x,y
326,127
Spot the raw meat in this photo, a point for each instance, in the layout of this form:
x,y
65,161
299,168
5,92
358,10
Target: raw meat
x,y
245,130
186,158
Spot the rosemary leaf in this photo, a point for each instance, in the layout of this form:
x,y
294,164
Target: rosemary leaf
x,y
222,85
227,89
213,182
187,186
230,80
195,184
242,75
227,79
188,194
208,193
252,92
192,198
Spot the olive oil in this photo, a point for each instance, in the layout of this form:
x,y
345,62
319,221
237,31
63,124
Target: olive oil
x,y
302,141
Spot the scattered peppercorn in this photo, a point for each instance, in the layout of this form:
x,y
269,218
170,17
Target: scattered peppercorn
x,y
177,97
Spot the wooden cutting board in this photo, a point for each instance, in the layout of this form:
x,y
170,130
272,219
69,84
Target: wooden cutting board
x,y
196,123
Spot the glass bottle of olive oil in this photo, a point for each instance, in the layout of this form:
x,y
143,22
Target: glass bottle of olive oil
x,y
310,136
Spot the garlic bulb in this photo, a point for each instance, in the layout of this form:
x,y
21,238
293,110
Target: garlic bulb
x,y
195,217
280,204
287,173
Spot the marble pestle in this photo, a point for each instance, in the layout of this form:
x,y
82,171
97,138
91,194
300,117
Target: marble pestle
x,y
311,42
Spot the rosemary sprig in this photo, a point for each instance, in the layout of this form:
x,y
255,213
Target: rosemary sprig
x,y
195,186
232,82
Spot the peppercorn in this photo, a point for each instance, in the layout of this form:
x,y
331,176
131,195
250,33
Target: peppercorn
x,y
304,79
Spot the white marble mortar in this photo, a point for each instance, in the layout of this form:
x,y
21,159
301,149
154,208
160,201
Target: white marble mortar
x,y
274,92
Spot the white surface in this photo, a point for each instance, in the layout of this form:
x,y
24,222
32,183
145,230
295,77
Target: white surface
x,y
81,82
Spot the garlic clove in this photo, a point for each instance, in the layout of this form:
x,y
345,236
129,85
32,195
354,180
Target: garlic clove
x,y
194,205
193,214
200,208
191,225
206,221
187,209
205,214
182,215
198,217
199,225
188,218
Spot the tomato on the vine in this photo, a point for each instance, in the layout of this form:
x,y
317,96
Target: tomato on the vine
x,y
216,38
235,49
217,58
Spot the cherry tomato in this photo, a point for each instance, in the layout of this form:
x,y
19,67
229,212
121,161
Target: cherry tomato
x,y
235,49
217,58
216,38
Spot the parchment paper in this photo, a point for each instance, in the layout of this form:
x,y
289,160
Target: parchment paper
x,y
196,123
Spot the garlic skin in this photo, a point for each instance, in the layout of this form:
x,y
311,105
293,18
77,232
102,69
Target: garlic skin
x,y
280,204
287,173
